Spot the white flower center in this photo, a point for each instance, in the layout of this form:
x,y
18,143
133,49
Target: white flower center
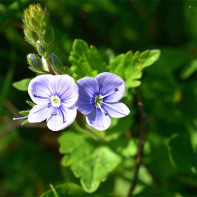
x,y
55,101
98,101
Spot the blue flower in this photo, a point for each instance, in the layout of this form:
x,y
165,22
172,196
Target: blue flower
x,y
98,99
55,97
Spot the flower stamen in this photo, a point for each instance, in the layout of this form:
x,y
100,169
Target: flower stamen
x,y
55,101
115,90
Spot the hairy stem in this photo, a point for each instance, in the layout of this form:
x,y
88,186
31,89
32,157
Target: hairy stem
x,y
140,143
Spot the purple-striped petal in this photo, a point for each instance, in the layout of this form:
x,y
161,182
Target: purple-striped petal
x,y
61,118
65,88
111,85
88,88
39,90
98,119
116,110
39,113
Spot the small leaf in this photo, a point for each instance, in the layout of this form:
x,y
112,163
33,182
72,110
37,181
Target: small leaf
x,y
181,153
149,57
95,167
30,103
189,70
126,147
67,190
22,85
24,113
86,61
129,66
25,122
89,160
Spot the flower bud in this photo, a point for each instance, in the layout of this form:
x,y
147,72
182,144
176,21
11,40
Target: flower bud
x,y
45,64
56,63
39,47
34,62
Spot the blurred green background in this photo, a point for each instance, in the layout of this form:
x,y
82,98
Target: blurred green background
x,y
29,158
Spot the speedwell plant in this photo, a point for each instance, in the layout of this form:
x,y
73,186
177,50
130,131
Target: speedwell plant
x,y
83,100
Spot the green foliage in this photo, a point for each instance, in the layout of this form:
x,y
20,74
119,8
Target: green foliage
x,y
92,163
67,189
86,61
181,154
30,103
29,156
129,66
24,113
189,70
22,85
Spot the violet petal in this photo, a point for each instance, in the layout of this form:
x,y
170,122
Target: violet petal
x,y
116,110
98,119
39,113
61,118
112,85
39,90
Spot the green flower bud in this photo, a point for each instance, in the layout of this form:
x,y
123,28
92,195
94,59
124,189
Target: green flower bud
x,y
39,47
37,29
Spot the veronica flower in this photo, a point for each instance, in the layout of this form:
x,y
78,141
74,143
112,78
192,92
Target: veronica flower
x,y
55,97
98,99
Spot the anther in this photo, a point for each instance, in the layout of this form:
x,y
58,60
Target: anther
x,y
54,113
106,113
115,89
34,94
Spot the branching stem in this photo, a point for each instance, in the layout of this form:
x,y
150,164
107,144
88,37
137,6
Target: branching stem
x,y
140,143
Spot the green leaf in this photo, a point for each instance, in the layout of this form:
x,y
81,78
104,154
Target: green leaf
x,y
24,113
25,122
86,61
189,70
67,190
22,85
30,103
181,154
126,147
129,66
89,160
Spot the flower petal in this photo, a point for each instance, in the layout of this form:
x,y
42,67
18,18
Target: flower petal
x,y
61,118
98,119
65,88
39,90
116,110
111,85
88,88
39,113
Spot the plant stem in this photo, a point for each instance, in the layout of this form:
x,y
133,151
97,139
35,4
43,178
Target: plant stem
x,y
53,190
140,143
51,71
80,126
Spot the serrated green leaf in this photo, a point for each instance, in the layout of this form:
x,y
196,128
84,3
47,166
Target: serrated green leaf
x,y
149,57
181,154
95,167
67,190
22,85
86,61
30,103
89,161
129,66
